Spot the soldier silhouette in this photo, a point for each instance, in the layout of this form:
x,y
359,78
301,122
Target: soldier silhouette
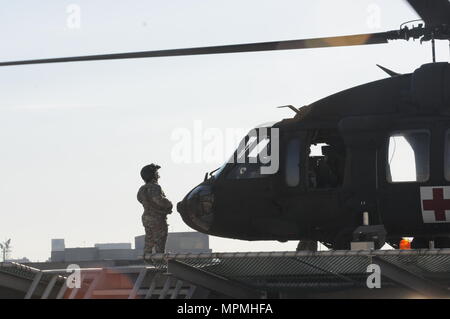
x,y
156,208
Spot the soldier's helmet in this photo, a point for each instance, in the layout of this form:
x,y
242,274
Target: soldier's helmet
x,y
149,172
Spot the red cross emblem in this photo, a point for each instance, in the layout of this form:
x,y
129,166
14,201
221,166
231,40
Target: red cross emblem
x,y
435,204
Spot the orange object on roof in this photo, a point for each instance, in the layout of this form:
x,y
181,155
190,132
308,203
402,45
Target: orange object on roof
x,y
405,244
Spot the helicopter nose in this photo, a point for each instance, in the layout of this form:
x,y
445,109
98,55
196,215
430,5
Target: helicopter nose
x,y
196,209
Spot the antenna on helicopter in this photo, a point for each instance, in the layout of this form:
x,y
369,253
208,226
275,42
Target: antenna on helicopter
x,y
293,108
389,72
433,47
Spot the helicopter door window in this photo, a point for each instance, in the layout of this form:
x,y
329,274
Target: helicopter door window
x,y
251,159
326,163
315,155
293,163
447,156
409,157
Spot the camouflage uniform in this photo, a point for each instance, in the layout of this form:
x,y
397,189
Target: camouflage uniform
x,y
154,219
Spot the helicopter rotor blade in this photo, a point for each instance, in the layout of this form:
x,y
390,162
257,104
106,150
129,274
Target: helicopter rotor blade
x,y
351,40
433,12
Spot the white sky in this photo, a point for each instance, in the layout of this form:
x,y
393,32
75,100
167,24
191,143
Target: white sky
x,y
73,137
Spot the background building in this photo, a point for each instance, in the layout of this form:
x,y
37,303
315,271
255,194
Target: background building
x,y
182,242
22,260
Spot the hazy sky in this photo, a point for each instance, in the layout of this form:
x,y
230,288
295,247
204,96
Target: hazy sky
x,y
74,136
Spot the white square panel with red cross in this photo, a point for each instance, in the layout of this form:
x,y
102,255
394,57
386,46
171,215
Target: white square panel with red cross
x,y
435,204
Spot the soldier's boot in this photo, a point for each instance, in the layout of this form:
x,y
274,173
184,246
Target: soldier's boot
x,y
160,247
147,255
149,260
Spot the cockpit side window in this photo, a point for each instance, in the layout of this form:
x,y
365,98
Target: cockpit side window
x,y
252,154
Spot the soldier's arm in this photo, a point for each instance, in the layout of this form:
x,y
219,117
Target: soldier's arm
x,y
158,199
140,194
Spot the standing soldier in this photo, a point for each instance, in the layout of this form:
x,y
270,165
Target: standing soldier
x,y
156,209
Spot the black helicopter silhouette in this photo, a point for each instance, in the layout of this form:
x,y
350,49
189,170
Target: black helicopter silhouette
x,y
358,175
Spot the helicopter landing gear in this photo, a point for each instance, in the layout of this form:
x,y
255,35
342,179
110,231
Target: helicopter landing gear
x,y
342,239
374,233
307,245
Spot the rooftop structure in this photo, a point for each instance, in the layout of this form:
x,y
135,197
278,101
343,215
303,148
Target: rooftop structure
x,y
326,274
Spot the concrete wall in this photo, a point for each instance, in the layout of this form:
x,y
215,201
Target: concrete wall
x,y
81,254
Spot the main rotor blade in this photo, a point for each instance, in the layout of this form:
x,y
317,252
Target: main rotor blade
x,y
433,12
358,39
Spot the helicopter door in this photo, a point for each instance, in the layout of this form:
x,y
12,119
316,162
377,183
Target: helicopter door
x,y
406,168
325,174
313,171
245,191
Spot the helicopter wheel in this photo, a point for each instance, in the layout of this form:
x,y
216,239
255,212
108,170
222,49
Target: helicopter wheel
x,y
307,245
343,239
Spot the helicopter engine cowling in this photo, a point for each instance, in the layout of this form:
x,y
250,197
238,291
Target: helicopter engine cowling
x,y
430,88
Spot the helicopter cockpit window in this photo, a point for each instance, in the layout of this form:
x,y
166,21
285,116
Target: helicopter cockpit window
x,y
293,163
409,157
250,158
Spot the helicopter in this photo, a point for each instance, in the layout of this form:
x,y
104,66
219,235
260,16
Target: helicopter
x,y
334,167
